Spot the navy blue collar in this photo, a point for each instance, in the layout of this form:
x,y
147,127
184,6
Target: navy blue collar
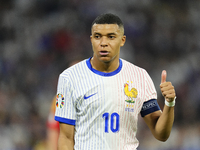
x,y
103,73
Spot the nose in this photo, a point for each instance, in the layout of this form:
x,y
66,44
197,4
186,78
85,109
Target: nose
x,y
104,42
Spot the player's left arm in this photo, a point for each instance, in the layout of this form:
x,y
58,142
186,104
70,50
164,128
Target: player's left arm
x,y
160,123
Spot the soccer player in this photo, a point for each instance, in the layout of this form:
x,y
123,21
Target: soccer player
x,y
99,99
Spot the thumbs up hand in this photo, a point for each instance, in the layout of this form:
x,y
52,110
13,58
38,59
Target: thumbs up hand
x,y
167,88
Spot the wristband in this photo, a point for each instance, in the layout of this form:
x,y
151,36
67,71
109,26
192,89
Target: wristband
x,y
170,104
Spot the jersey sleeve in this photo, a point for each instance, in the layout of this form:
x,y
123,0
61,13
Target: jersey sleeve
x,y
65,108
150,104
150,91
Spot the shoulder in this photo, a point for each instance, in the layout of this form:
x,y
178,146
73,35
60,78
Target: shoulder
x,y
74,69
135,71
132,67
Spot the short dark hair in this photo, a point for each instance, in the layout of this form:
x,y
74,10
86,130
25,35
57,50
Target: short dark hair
x,y
108,18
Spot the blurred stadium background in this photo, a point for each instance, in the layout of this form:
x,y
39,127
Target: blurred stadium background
x,y
39,38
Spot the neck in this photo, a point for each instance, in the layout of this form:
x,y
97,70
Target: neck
x,y
105,66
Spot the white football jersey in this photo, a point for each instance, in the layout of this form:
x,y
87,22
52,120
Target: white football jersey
x,y
104,107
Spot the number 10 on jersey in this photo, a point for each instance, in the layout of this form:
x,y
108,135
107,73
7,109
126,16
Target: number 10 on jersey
x,y
113,119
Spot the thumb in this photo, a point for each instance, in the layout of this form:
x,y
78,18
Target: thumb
x,y
163,76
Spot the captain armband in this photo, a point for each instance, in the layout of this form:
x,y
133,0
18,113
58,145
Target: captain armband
x,y
149,107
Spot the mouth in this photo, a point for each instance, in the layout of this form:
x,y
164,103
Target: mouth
x,y
103,53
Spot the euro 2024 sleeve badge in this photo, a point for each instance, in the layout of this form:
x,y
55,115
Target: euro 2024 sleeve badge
x,y
59,101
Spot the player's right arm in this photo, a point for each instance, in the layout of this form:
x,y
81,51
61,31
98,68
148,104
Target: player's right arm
x,y
65,112
66,137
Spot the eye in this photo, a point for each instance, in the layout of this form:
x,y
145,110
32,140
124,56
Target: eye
x,y
111,36
97,36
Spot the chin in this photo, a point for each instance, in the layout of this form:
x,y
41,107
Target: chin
x,y
105,59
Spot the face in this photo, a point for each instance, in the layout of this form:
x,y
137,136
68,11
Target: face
x,y
106,41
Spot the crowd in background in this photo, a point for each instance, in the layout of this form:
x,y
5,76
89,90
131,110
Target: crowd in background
x,y
39,38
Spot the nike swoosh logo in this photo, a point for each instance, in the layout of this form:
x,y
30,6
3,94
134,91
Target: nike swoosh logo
x,y
86,97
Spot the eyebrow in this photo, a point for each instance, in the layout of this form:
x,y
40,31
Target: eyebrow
x,y
106,34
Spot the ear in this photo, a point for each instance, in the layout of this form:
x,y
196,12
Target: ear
x,y
91,38
123,40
